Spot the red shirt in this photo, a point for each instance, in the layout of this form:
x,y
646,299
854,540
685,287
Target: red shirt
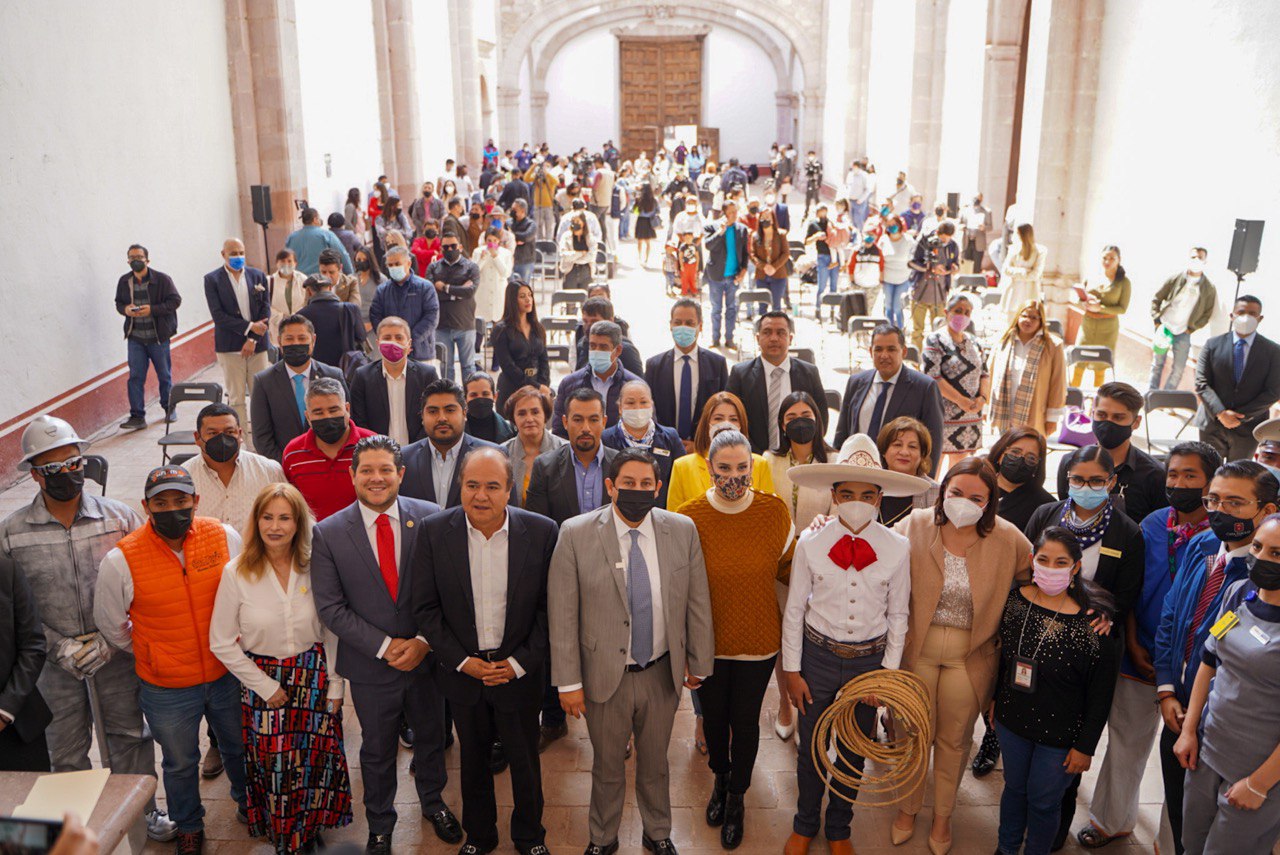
x,y
425,251
324,482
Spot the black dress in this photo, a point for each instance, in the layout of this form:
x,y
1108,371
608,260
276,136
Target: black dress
x,y
1019,504
644,226
521,361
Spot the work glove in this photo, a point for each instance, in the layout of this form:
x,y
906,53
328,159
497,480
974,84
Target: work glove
x,y
93,655
65,655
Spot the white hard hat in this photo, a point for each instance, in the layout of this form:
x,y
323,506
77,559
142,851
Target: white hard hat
x,y
45,433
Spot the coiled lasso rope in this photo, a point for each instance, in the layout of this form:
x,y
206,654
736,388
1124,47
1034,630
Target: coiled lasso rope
x,y
905,757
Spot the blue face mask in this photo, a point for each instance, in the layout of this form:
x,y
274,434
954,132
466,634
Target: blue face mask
x,y
236,262
600,360
684,336
1088,497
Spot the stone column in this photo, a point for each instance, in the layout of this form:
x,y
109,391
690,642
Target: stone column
x,y
785,104
857,73
538,105
466,72
266,115
811,120
928,84
999,99
398,94
508,118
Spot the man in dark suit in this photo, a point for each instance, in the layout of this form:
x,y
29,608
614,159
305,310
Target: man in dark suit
x,y
480,595
601,309
877,396
604,374
374,385
763,382
339,327
685,377
727,242
23,712
431,463
363,588
240,305
1237,379
278,402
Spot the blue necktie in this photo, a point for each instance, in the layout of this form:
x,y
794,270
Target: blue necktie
x,y
1237,360
877,412
640,601
300,396
684,417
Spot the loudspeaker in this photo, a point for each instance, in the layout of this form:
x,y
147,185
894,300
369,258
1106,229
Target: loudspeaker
x,y
953,204
1245,243
261,195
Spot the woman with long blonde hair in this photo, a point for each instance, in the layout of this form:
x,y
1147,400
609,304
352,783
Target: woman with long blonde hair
x,y
1028,374
1022,272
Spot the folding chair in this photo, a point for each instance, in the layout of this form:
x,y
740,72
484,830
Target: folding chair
x,y
560,325
183,393
990,298
95,469
558,353
834,300
544,270
970,282
752,298
550,258
180,459
1091,353
1075,397
482,342
860,328
803,353
601,269
1171,401
912,355
833,399
1055,326
570,300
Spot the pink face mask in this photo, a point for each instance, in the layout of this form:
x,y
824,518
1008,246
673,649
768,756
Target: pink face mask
x,y
958,322
391,351
1051,580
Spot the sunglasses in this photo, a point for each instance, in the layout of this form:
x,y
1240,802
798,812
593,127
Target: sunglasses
x,y
71,464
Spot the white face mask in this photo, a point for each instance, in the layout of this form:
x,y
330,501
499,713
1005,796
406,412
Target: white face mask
x,y
1195,266
638,418
1244,324
960,512
285,270
856,514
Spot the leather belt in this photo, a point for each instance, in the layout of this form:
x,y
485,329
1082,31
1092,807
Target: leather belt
x,y
488,655
846,650
634,669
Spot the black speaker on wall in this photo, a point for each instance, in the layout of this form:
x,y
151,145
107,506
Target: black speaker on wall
x,y
953,204
1245,243
261,196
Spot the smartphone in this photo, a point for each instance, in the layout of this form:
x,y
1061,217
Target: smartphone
x,y
27,836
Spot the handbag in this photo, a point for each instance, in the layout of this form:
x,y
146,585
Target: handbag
x,y
1076,428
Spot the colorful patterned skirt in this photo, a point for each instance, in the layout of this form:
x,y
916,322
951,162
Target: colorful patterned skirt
x,y
296,770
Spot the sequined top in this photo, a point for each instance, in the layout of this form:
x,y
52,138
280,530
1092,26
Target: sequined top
x,y
955,604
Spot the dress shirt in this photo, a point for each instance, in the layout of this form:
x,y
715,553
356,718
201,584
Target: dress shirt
x,y
784,391
488,560
590,481
370,519
878,595
869,403
1207,568
304,373
1248,346
258,616
678,367
398,420
233,502
240,286
603,384
442,466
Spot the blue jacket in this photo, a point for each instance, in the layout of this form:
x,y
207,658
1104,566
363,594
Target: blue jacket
x,y
1180,606
666,448
1157,579
309,241
416,301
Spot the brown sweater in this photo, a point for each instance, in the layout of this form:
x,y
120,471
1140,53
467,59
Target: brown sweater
x,y
741,552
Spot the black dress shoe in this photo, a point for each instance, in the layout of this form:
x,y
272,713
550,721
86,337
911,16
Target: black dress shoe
x,y
446,826
536,849
988,753
734,815
548,735
659,847
607,849
715,805
470,848
406,736
497,758
379,844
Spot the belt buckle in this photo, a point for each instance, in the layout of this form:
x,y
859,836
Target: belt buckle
x,y
844,651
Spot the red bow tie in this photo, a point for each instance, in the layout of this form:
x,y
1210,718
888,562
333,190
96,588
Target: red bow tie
x,y
854,551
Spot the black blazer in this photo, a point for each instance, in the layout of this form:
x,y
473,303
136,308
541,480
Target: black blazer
x,y
553,486
444,604
1259,387
1120,566
339,328
747,381
22,654
161,295
660,374
274,410
370,407
917,396
418,481
228,324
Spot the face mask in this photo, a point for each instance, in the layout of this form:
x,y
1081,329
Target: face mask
x,y
398,272
480,408
64,486
296,355
1088,497
958,323
173,524
634,504
1111,435
600,360
637,418
236,262
856,514
1051,580
391,351
1016,470
329,430
802,430
1244,324
1230,529
285,270
222,447
431,234
362,266
893,230
684,336
915,206
884,212
137,265
962,513
732,487
822,221
452,253
1195,266
426,194
1264,574
1185,499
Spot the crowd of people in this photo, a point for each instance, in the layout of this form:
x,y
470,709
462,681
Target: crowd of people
x,y
476,554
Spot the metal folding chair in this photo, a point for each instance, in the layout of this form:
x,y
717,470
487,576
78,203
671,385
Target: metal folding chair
x,y
95,470
184,393
1179,403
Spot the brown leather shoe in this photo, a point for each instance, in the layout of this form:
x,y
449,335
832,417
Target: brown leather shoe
x,y
840,847
797,845
211,767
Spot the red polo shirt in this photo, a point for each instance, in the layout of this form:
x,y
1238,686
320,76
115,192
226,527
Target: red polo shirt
x,y
323,481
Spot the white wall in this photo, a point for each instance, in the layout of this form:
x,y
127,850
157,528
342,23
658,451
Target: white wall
x,y
115,123
738,96
582,82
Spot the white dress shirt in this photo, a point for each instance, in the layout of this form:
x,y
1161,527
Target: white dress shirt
x,y
258,616
240,287
869,402
233,502
848,605
398,421
784,383
677,365
370,519
488,560
442,466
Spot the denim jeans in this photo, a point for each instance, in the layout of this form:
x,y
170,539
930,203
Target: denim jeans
x,y
624,224
724,303
142,354
893,297
828,278
465,343
524,271
858,212
777,286
1034,781
174,716
1180,349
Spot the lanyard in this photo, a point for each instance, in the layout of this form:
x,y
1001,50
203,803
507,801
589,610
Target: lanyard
x,y
1043,632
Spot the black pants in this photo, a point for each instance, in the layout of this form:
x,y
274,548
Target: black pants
x,y
19,756
731,699
811,197
552,712
1174,781
518,729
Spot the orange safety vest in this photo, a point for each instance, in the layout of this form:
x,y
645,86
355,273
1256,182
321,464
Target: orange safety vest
x,y
172,605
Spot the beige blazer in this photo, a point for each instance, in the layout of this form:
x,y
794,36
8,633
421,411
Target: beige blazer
x,y
1049,395
992,562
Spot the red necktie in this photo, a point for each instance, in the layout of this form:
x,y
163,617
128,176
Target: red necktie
x,y
852,551
387,555
1212,586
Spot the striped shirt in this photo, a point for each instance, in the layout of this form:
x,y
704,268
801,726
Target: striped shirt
x,y
325,482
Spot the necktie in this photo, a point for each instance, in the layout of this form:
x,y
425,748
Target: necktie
x,y
640,601
1212,586
300,396
684,417
775,401
877,412
1237,360
387,555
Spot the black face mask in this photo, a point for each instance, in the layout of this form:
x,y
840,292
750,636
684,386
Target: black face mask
x,y
1264,574
173,524
1185,499
64,486
634,504
451,253
137,266
802,430
480,408
1016,470
1230,529
1111,435
431,234
222,447
296,355
362,266
330,430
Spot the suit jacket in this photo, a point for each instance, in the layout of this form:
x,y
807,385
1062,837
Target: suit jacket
x,y
351,597
339,327
1216,385
716,249
228,324
273,409
660,374
748,381
553,485
22,654
370,407
915,395
666,449
579,379
1121,563
587,603
420,483
444,604
630,358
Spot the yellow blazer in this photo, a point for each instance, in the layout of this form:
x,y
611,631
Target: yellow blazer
x,y
993,562
690,479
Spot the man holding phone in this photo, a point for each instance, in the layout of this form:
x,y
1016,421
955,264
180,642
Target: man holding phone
x,y
149,302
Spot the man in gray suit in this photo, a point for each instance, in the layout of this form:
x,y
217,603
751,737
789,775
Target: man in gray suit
x,y
360,572
277,406
630,623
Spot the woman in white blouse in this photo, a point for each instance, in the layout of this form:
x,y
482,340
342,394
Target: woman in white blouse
x,y
266,631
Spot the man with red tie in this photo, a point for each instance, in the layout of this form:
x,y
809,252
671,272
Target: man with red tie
x,y
846,615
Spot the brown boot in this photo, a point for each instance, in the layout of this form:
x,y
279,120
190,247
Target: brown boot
x,y
840,847
211,767
797,845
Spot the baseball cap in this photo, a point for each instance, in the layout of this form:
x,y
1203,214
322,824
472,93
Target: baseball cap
x,y
169,478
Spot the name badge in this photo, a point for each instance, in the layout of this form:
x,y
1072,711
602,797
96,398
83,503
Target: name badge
x,y
1109,552
661,451
1256,632
1023,676
1225,624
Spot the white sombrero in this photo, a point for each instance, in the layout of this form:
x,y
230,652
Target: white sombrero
x,y
858,460
1268,431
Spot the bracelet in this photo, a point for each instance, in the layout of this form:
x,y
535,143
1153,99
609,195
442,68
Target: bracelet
x,y
1249,786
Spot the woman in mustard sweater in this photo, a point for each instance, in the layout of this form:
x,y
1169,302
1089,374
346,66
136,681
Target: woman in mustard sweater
x,y
747,539
689,476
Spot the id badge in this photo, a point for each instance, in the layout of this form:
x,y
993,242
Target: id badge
x,y
1022,677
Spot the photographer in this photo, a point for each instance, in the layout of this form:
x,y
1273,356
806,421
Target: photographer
x,y
936,258
543,185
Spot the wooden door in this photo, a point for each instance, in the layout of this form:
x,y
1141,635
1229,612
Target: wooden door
x,y
661,85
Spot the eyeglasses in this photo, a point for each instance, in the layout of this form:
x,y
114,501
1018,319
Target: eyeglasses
x,y
71,464
1032,459
1093,483
1232,506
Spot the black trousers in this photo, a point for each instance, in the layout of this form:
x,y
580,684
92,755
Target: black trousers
x,y
19,756
731,699
477,725
1174,781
